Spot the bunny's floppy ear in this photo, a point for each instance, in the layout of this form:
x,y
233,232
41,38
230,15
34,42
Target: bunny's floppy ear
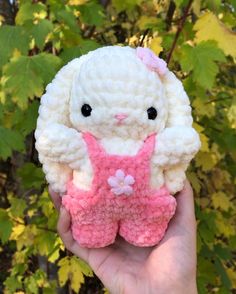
x,y
54,109
179,109
54,106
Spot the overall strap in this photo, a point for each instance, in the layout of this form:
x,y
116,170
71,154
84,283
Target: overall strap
x,y
94,148
148,146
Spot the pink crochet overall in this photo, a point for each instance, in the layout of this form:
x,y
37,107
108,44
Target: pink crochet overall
x,y
120,199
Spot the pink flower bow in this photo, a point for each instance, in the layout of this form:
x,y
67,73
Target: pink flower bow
x,y
152,61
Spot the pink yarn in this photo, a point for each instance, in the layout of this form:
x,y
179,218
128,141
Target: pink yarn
x,y
139,213
152,61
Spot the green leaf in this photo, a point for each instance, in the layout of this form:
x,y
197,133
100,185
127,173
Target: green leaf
x,y
10,140
40,31
13,37
13,283
179,2
27,76
73,52
92,13
44,242
67,18
31,286
18,206
23,121
223,252
122,5
201,59
223,274
85,268
27,122
5,225
28,10
31,176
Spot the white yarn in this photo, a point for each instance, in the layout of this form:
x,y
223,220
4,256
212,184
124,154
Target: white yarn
x,y
114,80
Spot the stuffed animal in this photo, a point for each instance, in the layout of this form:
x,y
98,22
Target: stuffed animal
x,y
115,137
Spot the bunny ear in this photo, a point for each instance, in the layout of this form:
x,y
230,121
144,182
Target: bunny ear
x,y
152,61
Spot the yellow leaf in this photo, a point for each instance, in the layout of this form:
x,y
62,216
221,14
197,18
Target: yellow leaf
x,y
145,22
204,142
19,257
209,27
223,226
221,200
204,139
1,19
77,2
64,270
24,235
232,276
56,252
17,231
220,177
70,269
77,277
155,45
205,160
203,108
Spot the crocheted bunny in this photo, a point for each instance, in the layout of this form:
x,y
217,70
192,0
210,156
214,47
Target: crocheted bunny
x,y
115,137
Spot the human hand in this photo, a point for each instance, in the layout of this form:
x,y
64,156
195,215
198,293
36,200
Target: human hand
x,y
169,267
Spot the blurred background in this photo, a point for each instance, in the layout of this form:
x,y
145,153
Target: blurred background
x,y
197,38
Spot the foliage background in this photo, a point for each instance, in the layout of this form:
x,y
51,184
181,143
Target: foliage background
x,y
197,39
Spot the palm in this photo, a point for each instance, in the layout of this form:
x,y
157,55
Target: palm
x,y
124,268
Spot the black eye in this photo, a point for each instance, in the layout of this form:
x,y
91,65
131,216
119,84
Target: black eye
x,y
86,110
152,113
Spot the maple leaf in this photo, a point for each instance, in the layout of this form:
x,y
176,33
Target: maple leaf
x,y
209,27
28,11
201,59
13,37
221,200
40,31
10,140
70,269
27,76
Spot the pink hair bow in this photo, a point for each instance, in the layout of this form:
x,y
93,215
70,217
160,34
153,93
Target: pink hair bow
x,y
152,61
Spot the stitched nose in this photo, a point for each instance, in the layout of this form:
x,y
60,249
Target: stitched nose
x,y
121,116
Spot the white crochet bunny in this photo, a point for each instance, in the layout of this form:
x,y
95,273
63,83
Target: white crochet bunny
x,y
113,94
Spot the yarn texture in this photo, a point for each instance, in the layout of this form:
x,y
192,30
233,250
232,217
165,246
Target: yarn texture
x,y
115,165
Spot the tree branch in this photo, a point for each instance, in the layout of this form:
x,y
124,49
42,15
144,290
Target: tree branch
x,y
179,30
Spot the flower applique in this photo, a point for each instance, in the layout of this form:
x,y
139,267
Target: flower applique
x,y
152,61
121,183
